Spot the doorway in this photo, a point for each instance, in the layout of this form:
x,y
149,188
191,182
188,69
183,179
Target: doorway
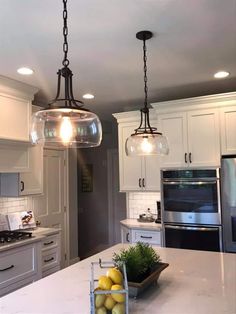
x,y
50,207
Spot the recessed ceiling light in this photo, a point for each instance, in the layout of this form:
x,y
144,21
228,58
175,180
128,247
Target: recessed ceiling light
x,y
88,96
25,71
221,74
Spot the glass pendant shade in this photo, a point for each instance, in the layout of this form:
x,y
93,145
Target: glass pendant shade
x,y
146,145
70,127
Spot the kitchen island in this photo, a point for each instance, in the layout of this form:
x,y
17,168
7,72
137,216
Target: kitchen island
x,y
196,282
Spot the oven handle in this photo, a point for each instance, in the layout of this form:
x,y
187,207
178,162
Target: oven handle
x,y
192,228
188,183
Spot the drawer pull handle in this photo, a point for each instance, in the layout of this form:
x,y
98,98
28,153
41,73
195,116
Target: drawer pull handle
x,y
10,267
145,237
49,260
48,243
127,236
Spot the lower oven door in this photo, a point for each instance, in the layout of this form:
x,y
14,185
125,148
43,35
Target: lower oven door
x,y
202,238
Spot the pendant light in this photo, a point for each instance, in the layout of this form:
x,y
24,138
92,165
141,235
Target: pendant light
x,y
65,120
146,140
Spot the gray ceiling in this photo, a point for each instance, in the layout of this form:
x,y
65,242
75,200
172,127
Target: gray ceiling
x,y
192,40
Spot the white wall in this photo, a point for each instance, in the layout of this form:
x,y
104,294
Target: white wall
x,y
138,203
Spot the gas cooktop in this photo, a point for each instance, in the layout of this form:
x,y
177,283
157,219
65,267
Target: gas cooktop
x,y
13,236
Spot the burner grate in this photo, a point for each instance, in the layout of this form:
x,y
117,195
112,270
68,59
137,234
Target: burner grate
x,y
12,236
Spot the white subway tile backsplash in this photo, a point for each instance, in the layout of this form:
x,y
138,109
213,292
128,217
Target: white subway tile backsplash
x,y
14,204
138,203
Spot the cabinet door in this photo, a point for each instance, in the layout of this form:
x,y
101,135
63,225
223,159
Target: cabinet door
x,y
129,167
151,180
174,127
203,138
32,182
228,130
17,113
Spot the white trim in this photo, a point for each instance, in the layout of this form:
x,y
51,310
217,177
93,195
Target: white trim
x,y
66,204
109,195
201,102
132,116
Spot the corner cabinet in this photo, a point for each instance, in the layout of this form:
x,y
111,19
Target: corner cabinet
x,y
193,137
136,173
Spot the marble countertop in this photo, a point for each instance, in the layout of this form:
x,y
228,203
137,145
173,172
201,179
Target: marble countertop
x,y
195,282
37,235
134,224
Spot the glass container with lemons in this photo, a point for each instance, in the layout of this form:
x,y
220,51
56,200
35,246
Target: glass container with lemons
x,y
108,289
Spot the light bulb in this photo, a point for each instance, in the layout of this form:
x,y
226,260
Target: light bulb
x,y
66,130
146,146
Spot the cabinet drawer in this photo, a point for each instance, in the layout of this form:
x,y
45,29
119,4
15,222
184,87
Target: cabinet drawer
x,y
17,264
50,242
50,258
152,237
50,271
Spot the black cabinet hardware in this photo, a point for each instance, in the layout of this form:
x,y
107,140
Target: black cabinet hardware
x,y
127,236
143,182
49,260
22,186
139,182
145,237
48,243
10,267
185,157
190,158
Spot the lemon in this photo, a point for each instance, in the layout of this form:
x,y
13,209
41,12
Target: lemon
x,y
118,297
104,283
99,300
118,309
115,275
101,310
109,302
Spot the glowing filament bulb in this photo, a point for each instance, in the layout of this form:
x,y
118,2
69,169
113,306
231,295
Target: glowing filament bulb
x,y
146,146
66,130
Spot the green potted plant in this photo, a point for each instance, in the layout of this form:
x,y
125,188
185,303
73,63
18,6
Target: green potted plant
x,y
143,266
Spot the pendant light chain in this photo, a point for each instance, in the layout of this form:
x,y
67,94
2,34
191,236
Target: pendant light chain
x,y
145,72
65,61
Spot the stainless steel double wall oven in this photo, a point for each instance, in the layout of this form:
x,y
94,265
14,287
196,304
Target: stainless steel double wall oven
x,y
191,209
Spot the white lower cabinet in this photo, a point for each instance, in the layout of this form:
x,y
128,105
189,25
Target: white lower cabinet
x,y
30,262
19,267
130,235
50,257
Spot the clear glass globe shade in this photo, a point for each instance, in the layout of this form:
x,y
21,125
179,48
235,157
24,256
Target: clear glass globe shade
x,y
146,145
69,127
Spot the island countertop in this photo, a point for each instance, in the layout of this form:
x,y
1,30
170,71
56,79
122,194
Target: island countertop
x,y
196,282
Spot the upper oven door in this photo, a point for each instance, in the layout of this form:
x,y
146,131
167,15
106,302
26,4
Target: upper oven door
x,y
188,201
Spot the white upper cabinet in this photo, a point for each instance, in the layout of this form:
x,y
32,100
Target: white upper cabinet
x,y
193,138
174,127
203,138
136,173
228,130
15,108
15,120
